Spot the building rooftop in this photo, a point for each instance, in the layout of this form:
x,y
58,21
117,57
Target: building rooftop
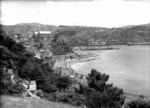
x,y
43,32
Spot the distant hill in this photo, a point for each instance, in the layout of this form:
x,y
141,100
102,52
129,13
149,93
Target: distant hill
x,y
26,29
81,35
87,35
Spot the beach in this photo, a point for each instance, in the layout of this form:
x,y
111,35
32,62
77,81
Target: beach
x,y
128,68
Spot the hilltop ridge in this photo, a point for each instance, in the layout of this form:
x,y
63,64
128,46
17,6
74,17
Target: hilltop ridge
x,y
82,35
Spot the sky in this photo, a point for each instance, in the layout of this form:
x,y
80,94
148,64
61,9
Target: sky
x,y
98,13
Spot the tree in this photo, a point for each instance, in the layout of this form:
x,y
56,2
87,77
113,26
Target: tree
x,y
97,80
5,82
103,94
25,65
46,86
63,82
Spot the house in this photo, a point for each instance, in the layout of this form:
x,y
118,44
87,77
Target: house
x,y
17,37
31,89
30,85
37,55
10,71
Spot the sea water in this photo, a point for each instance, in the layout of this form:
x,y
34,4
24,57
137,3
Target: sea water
x,y
129,68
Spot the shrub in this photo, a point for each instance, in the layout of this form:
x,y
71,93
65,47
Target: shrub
x,y
18,88
139,103
63,82
71,98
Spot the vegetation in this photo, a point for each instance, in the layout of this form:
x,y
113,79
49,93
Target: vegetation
x,y
60,46
17,102
139,103
98,94
63,82
79,35
72,98
26,66
101,93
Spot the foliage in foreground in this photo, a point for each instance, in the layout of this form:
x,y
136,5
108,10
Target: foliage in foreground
x,y
101,94
24,65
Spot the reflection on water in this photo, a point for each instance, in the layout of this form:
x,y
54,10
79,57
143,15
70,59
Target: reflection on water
x,y
129,68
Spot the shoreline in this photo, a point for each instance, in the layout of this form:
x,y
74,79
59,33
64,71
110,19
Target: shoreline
x,y
75,66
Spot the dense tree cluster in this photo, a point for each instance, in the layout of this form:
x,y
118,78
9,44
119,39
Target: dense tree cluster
x,y
101,94
25,65
63,82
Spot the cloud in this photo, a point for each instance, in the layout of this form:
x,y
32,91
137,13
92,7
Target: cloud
x,y
137,0
97,13
70,0
50,0
106,13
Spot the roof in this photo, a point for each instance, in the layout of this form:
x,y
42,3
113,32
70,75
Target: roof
x,y
43,32
29,82
10,71
33,83
37,55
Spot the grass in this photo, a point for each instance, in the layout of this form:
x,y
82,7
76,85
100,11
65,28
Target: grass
x,y
28,102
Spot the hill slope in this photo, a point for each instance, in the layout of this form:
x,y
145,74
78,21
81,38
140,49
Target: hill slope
x,y
80,35
87,35
26,29
28,102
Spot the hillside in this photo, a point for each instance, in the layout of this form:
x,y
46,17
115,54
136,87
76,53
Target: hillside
x,y
88,35
81,35
28,102
26,29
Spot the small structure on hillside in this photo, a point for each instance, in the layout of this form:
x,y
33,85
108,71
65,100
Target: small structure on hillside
x,y
30,85
17,37
42,35
31,89
10,72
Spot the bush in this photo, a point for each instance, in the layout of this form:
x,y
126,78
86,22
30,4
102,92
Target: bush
x,y
17,88
63,82
5,83
71,98
47,87
140,103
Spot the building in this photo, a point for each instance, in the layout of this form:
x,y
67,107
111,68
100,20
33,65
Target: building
x,y
30,85
42,35
17,37
10,72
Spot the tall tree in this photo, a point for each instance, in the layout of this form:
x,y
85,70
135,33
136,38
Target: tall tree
x,y
63,82
103,94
